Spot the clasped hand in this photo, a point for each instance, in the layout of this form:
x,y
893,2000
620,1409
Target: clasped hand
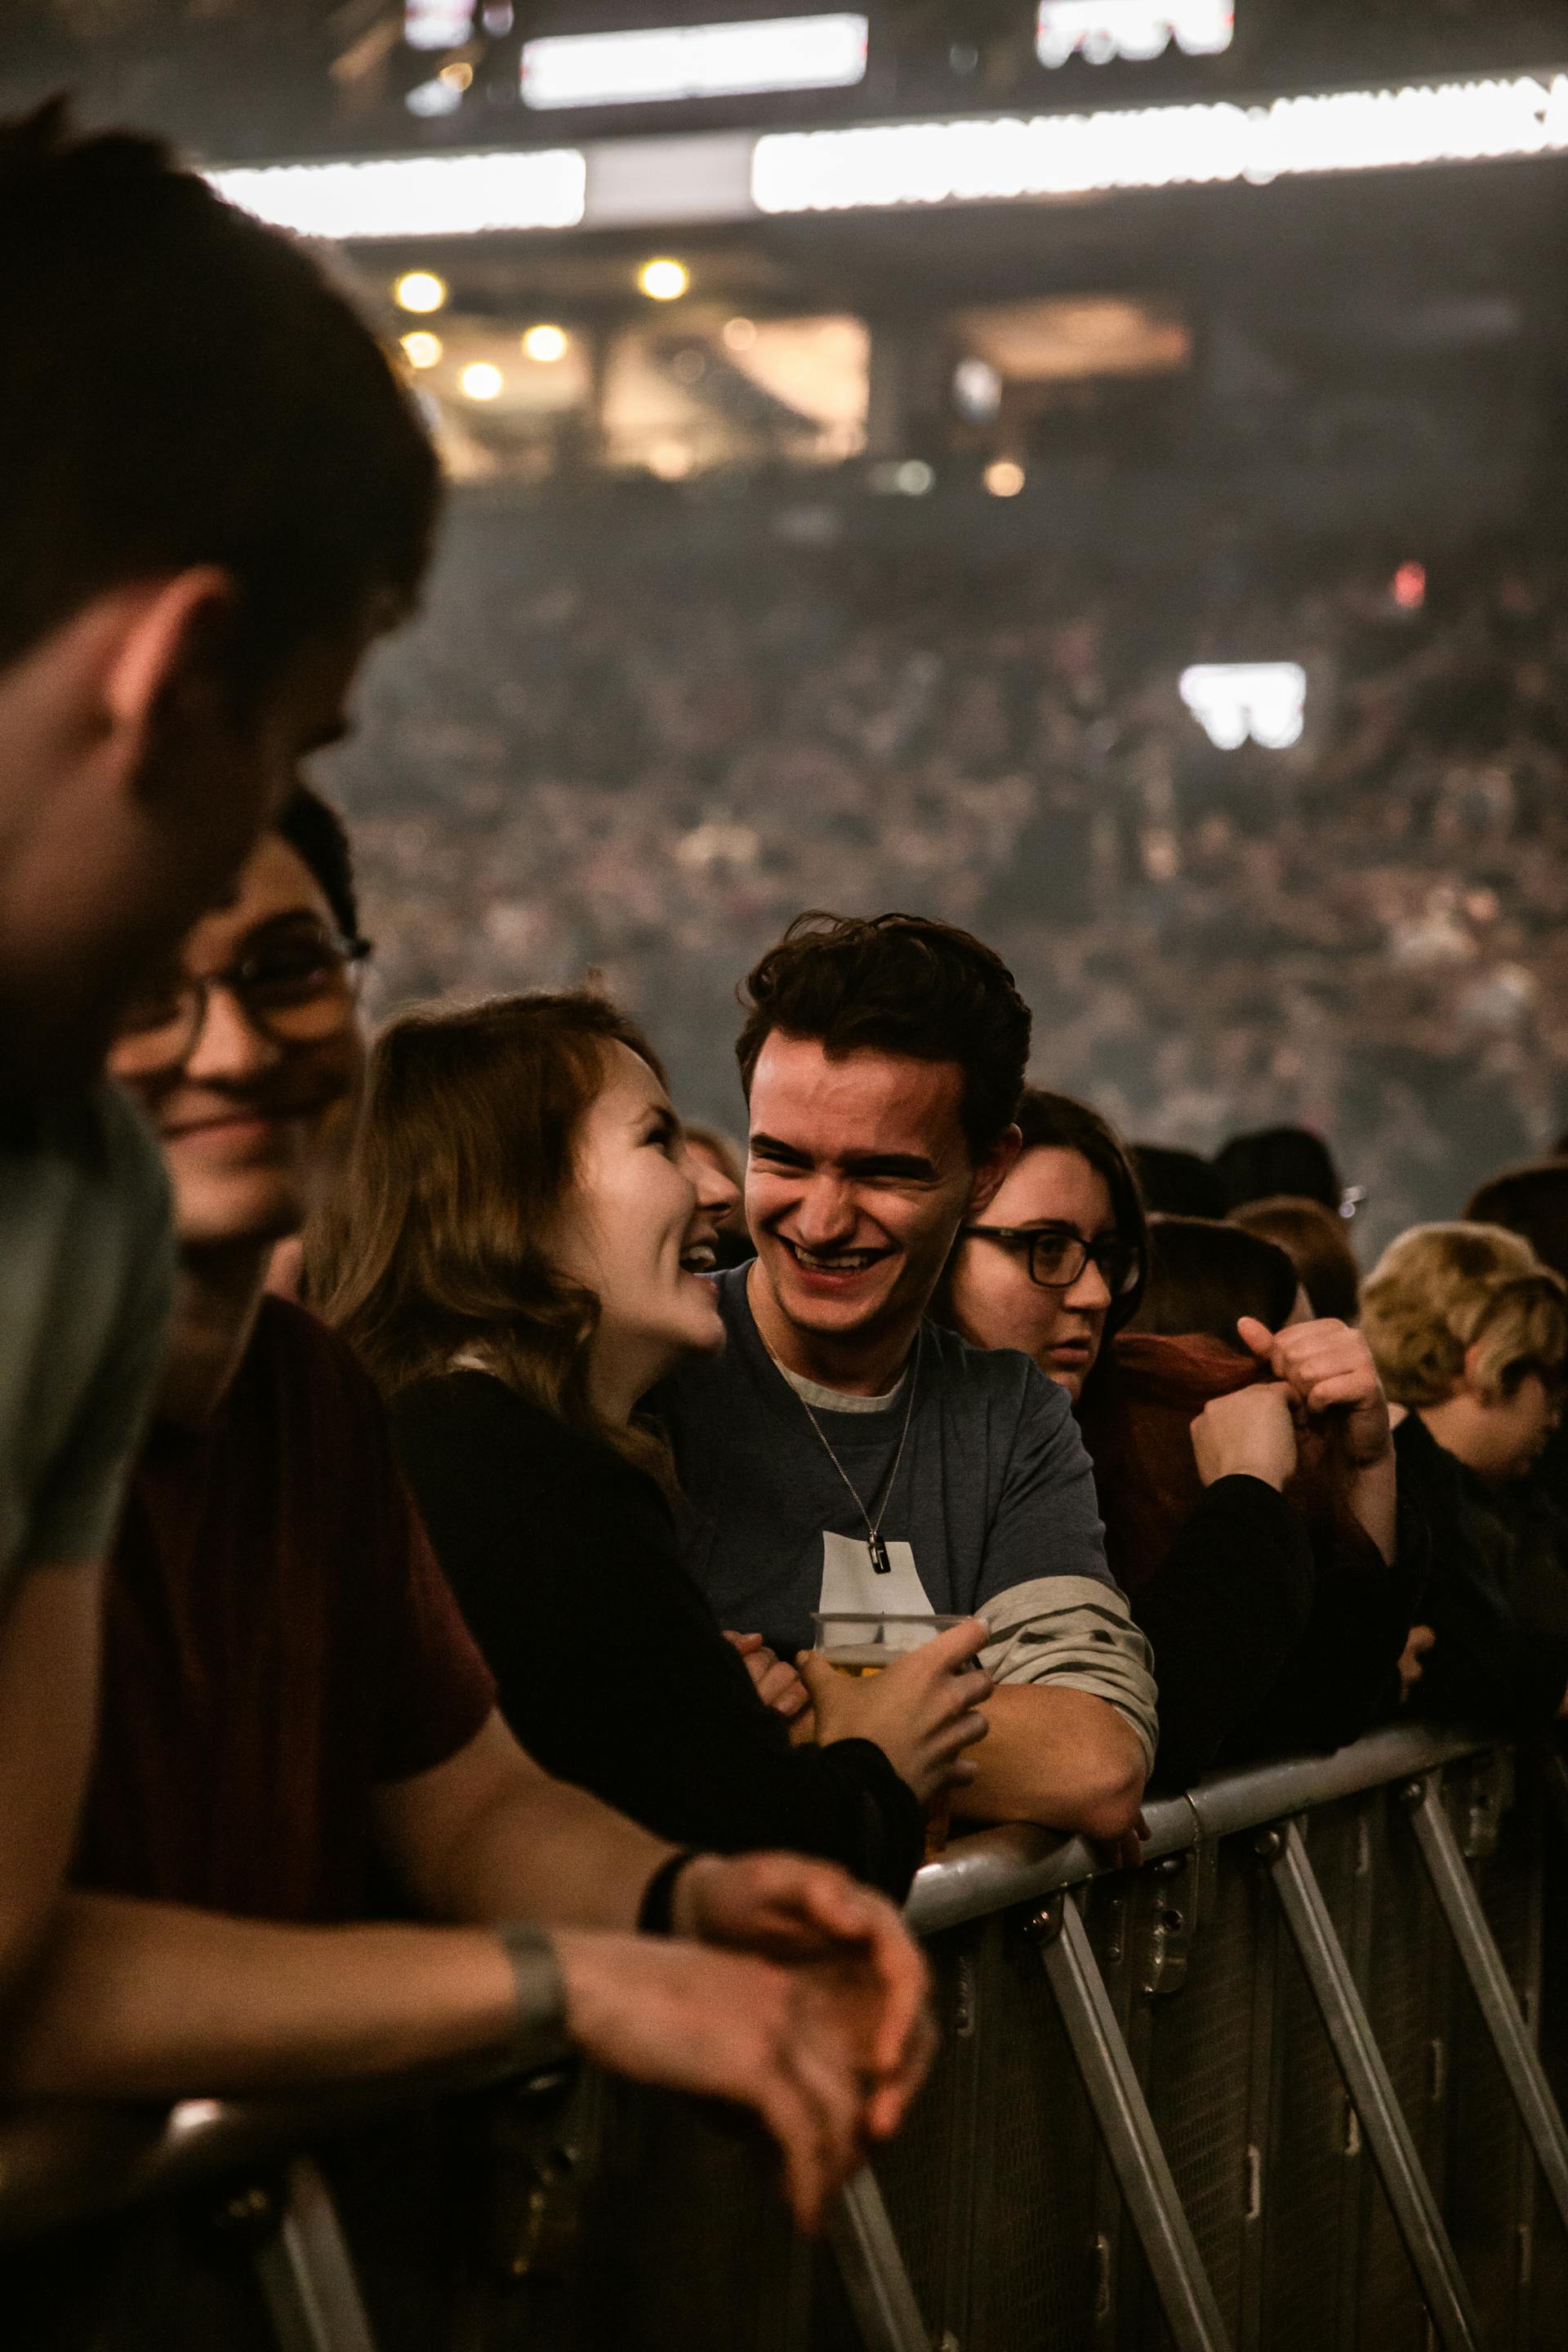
x,y
1324,1380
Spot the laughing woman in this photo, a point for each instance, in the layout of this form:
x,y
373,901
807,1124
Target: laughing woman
x,y
518,1254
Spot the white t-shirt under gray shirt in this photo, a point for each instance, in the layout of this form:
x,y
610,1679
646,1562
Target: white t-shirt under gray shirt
x,y
86,1267
991,1512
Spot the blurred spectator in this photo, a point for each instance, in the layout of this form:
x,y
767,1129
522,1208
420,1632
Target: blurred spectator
x,y
1278,1159
1315,1240
1205,1275
1531,1202
1470,1333
1178,1183
181,609
1278,1614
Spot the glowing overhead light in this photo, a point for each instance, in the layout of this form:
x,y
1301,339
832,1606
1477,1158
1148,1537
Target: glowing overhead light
x,y
910,479
1231,700
664,281
458,75
1003,478
694,62
976,390
438,24
1410,586
419,289
545,344
739,334
431,99
1100,30
480,381
1000,159
422,350
414,196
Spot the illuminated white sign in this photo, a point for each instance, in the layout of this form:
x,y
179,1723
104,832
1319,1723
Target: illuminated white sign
x,y
694,62
1100,30
999,159
438,24
417,196
1231,700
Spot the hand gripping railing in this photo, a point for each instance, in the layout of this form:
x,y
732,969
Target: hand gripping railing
x,y
72,2162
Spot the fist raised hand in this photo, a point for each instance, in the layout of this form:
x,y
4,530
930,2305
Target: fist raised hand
x,y
1328,1368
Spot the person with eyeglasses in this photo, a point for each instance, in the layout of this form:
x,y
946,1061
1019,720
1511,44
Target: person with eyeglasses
x,y
1249,1493
294,1717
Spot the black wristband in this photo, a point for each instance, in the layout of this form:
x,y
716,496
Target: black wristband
x,y
656,1911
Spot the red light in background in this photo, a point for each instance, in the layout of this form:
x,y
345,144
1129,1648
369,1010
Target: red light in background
x,y
1410,587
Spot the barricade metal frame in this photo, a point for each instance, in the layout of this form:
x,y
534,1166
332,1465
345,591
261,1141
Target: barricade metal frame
x,y
956,2240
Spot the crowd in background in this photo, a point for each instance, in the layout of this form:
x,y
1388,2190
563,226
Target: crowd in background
x,y
434,1495
646,769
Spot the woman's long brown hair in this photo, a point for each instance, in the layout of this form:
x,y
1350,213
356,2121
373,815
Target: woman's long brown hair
x,y
439,1242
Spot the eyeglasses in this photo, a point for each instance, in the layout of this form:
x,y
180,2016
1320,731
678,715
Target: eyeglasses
x,y
1055,1256
298,989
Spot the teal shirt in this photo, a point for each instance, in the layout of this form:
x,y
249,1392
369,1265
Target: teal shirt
x,y
86,1267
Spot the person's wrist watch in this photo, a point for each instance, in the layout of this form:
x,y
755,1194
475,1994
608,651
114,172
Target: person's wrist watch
x,y
539,2035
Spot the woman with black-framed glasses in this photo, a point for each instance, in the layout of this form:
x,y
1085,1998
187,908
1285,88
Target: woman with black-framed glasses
x,y
1277,1618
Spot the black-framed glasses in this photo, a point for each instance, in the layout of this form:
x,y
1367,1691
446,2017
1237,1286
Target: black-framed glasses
x,y
297,988
1054,1255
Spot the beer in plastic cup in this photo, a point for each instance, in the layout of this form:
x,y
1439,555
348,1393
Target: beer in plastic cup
x,y
861,1643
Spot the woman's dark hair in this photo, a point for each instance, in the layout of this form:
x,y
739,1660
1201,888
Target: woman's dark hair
x,y
1059,1123
1314,1240
440,1242
318,835
897,984
1203,1276
1275,1160
1532,1201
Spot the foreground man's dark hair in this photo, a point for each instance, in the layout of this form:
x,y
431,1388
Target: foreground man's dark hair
x,y
897,984
180,385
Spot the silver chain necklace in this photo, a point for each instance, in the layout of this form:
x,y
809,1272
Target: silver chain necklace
x,y
880,1564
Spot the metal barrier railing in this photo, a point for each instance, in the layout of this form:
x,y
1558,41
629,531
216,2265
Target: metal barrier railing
x,y
1279,2087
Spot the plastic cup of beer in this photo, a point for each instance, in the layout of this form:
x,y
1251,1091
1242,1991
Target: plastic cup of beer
x,y
861,1643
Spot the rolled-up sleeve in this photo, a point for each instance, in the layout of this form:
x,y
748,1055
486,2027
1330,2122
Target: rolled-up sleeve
x,y
1073,1633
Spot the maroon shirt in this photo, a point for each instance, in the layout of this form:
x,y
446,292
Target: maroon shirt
x,y
278,1641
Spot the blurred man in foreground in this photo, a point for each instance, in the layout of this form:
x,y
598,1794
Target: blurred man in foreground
x,y
213,493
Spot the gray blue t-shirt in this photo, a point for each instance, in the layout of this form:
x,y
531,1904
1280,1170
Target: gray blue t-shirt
x,y
84,1273
991,1512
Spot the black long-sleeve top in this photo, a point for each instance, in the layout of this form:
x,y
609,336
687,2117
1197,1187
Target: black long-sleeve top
x,y
1270,1635
612,1671
1495,1598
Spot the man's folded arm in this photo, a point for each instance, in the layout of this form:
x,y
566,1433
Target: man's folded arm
x,y
1073,1721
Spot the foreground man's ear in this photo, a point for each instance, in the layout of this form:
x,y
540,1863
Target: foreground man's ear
x,y
165,657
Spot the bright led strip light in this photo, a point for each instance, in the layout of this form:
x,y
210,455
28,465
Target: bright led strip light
x,y
417,196
998,160
694,62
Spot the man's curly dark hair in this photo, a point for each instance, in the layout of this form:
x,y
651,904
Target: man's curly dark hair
x,y
897,984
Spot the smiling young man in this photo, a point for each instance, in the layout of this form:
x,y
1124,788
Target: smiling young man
x,y
292,1703
214,492
847,1453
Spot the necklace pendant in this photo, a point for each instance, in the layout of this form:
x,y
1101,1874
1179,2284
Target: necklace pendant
x,y
880,1564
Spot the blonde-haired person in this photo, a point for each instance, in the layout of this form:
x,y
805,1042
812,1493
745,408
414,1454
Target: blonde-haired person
x,y
1469,1331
